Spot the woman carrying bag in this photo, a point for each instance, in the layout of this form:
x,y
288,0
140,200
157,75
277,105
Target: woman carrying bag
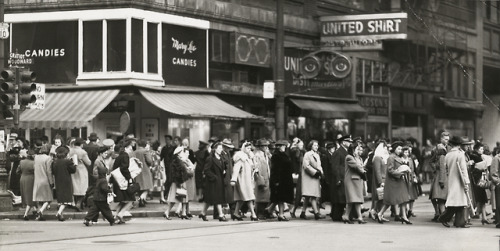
x,y
353,182
125,198
178,192
241,180
311,175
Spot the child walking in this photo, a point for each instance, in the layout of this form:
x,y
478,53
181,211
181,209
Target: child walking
x,y
100,199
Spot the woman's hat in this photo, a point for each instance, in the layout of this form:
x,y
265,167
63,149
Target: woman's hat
x,y
395,144
178,150
455,141
227,143
262,142
108,142
467,141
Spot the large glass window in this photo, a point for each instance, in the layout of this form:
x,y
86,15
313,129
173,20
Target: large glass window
x,y
137,45
92,46
152,48
116,45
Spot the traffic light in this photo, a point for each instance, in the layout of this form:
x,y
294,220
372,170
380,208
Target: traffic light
x,y
26,86
8,87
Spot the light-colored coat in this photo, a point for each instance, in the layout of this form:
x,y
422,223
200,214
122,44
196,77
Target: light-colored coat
x,y
145,178
456,190
80,178
352,181
311,164
242,175
42,191
261,161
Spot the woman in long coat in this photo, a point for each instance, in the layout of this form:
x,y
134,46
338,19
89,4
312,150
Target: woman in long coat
x,y
262,159
478,170
158,171
145,179
380,157
297,156
215,186
180,176
26,170
411,179
124,198
353,182
62,168
44,181
242,181
395,188
81,177
281,181
311,175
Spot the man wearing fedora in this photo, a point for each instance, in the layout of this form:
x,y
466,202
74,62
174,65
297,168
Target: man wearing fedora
x,y
227,146
337,190
92,149
201,156
262,159
458,185
167,155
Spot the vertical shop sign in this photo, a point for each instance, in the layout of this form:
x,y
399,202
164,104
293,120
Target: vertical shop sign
x,y
184,55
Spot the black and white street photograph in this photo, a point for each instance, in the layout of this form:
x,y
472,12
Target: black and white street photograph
x,y
249,125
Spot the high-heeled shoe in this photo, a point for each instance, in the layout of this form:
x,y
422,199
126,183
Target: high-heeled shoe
x,y
165,216
184,217
177,215
405,221
142,203
484,221
292,214
119,220
203,217
60,217
361,221
163,201
282,218
26,218
303,216
318,216
86,223
254,218
346,221
223,218
39,217
411,214
235,217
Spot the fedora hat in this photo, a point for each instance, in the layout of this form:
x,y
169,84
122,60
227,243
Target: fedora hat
x,y
281,142
93,136
203,143
227,143
262,142
467,141
330,144
455,141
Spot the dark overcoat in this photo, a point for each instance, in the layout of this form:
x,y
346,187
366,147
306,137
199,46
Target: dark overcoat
x,y
228,162
337,192
62,170
281,180
122,162
215,188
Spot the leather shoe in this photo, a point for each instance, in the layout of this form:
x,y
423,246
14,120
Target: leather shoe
x,y
445,223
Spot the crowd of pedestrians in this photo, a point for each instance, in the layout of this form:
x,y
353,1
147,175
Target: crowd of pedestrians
x,y
263,178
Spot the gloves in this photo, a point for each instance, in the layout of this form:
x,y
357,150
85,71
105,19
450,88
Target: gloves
x,y
317,175
441,184
233,183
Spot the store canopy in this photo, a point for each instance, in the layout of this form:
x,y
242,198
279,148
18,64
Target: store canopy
x,y
195,105
462,104
68,109
328,109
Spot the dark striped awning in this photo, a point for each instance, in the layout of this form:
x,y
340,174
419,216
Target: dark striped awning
x,y
195,105
68,109
328,109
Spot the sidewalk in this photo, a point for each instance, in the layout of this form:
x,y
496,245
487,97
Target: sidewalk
x,y
153,209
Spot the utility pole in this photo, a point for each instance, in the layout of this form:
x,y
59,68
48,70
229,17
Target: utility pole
x,y
280,72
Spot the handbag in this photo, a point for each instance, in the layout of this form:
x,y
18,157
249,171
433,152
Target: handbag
x,y
135,167
181,192
133,188
380,193
483,182
120,179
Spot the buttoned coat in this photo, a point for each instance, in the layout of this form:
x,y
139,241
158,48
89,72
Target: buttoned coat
x,y
440,174
228,162
337,191
395,188
262,161
311,164
281,181
353,183
242,175
215,188
42,191
145,178
457,165
81,177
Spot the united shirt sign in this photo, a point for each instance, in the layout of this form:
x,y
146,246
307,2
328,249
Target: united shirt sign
x,y
363,31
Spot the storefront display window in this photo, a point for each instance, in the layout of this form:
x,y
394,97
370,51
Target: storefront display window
x,y
193,129
232,129
116,45
92,46
318,129
455,127
371,131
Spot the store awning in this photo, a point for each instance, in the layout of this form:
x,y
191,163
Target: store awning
x,y
68,109
462,104
328,109
195,105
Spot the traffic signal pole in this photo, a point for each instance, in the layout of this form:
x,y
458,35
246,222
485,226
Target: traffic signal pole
x,y
17,105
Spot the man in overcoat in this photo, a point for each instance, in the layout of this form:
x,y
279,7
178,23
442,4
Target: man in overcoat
x,y
262,160
458,185
337,190
92,148
167,156
439,186
227,146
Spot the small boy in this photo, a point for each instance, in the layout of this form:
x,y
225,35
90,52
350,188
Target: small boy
x,y
100,199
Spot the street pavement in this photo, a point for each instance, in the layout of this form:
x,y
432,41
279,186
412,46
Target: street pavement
x,y
156,233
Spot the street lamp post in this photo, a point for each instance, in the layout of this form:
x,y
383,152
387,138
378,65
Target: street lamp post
x,y
280,72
